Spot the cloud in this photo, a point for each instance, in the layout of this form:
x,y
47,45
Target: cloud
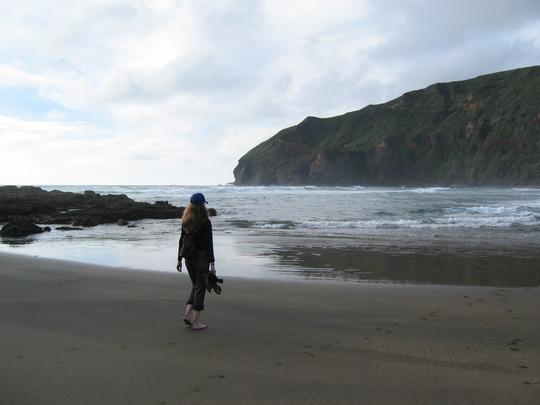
x,y
144,91
13,76
82,152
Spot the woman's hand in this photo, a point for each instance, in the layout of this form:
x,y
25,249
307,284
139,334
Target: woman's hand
x,y
179,266
213,268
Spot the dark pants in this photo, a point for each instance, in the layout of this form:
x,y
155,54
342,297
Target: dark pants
x,y
198,273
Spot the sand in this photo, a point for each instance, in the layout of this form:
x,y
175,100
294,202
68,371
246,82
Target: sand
x,y
74,333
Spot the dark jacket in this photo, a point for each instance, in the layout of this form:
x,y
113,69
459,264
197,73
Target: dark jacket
x,y
203,240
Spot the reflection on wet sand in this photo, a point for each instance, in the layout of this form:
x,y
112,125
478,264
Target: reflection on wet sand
x,y
406,267
270,255
17,241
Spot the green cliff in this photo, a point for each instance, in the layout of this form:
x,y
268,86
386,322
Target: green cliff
x,y
482,131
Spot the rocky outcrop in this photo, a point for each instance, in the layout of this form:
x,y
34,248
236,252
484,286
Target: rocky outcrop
x,y
77,209
482,131
20,226
85,222
68,228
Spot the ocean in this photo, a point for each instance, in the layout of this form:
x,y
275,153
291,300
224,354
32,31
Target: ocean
x,y
323,232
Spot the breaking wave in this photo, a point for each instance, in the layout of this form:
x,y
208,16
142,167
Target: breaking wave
x,y
465,217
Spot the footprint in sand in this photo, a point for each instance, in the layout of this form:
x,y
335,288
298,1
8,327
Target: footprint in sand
x,y
522,366
513,344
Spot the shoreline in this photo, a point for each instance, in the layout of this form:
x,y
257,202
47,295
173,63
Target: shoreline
x,y
77,333
275,256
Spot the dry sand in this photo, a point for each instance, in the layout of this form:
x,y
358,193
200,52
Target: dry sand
x,y
81,334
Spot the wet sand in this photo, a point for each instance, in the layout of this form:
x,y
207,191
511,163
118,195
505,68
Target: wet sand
x,y
85,334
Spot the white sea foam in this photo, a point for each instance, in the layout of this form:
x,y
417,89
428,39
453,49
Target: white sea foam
x,y
428,190
469,218
400,223
275,225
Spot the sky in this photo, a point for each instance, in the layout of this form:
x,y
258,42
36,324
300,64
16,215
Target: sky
x,y
175,92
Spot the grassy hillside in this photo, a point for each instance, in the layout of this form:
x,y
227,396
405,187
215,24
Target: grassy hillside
x,y
482,131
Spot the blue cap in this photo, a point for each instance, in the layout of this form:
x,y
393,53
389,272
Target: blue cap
x,y
198,198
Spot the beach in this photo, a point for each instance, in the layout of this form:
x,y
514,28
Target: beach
x,y
363,177
87,334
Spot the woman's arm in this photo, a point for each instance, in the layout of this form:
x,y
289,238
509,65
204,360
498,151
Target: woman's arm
x,y
180,242
209,243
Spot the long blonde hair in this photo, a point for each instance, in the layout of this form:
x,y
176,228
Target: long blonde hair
x,y
193,217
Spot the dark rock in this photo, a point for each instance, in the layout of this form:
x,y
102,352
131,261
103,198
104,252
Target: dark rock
x,y
68,228
482,131
19,226
122,222
46,229
132,226
78,209
83,221
212,212
88,222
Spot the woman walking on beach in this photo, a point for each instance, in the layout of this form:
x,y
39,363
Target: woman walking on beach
x,y
197,248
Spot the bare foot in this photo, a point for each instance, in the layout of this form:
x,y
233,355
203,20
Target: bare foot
x,y
187,319
198,326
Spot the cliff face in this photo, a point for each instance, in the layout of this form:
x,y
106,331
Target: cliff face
x,y
483,131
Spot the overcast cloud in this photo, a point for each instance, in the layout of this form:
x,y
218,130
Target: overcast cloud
x,y
175,92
